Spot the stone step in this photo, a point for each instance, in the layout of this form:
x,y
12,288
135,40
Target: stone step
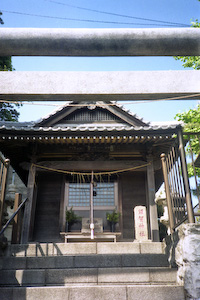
x,y
84,261
101,292
49,249
51,277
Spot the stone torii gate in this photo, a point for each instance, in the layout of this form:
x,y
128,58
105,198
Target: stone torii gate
x,y
99,85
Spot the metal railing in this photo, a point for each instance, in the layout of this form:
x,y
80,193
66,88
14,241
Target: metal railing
x,y
193,145
177,184
13,216
175,187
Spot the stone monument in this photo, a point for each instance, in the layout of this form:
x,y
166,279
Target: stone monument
x,y
140,218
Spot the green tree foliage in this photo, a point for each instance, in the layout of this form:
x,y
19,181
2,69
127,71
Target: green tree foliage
x,y
8,111
6,63
191,61
191,120
1,20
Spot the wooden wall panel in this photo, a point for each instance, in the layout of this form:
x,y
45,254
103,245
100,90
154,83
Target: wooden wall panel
x,y
133,193
47,213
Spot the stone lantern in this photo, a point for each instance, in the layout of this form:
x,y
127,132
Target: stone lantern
x,y
161,200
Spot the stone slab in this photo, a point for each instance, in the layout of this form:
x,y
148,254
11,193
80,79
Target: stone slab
x,y
163,275
6,294
11,263
49,262
66,276
40,249
144,260
155,293
99,41
117,292
151,247
22,277
98,293
30,277
34,249
99,86
41,293
64,249
97,261
118,248
123,275
74,248
16,250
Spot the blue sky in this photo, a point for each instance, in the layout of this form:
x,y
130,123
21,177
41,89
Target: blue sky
x,y
20,14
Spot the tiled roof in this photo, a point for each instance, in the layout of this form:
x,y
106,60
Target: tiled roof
x,y
130,112
59,109
29,126
98,104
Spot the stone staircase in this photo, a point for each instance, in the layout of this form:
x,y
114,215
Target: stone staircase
x,y
92,271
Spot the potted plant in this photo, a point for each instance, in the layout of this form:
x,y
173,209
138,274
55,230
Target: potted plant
x,y
112,218
71,218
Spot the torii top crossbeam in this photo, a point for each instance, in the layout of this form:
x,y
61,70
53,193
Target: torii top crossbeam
x,y
99,42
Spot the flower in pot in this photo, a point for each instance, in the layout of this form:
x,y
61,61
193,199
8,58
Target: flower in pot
x,y
112,218
71,218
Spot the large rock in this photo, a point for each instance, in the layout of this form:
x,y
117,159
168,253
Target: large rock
x,y
187,257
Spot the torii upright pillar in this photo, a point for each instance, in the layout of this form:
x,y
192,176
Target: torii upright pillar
x,y
153,215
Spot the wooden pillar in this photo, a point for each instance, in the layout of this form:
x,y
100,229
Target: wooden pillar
x,y
17,220
92,205
167,191
26,227
63,205
153,215
5,165
185,178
